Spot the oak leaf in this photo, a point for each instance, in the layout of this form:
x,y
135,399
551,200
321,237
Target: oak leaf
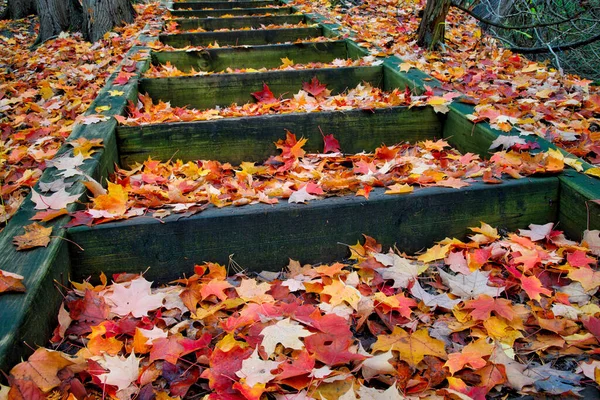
x,y
412,347
35,235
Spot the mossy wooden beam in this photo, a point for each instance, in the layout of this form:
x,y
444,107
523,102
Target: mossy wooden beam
x,y
241,37
222,90
276,10
265,56
255,22
220,5
251,138
28,319
264,237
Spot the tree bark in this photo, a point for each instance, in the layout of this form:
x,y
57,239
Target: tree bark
x,y
432,28
57,16
16,9
101,16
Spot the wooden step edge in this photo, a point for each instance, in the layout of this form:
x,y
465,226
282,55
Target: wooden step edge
x,y
200,5
356,130
23,327
277,10
263,237
211,24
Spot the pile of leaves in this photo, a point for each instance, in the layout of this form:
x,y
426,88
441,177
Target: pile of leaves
x,y
172,29
43,93
313,97
509,90
489,317
161,188
169,70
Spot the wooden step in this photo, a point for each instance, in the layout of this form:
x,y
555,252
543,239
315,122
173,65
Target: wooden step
x,y
241,37
222,90
212,24
251,138
261,56
222,5
276,10
264,237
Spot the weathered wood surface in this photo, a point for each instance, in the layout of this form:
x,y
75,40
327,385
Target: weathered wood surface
x,y
220,5
222,90
255,22
276,10
240,37
265,56
263,237
251,139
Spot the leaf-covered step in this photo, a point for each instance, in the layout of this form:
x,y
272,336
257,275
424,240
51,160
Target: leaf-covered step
x,y
256,57
263,237
251,138
241,37
217,13
222,90
213,24
200,5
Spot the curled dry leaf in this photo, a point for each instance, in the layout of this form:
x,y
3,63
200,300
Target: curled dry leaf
x,y
35,235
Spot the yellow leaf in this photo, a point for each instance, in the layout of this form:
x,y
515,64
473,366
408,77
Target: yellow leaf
x,y
399,189
436,252
115,93
593,172
404,67
46,92
286,62
100,109
412,347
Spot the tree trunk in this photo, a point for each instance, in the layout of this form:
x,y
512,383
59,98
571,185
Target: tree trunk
x,y
433,24
16,9
102,15
57,16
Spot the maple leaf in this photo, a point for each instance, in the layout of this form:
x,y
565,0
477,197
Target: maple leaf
x,y
483,306
265,96
470,285
173,347
123,77
301,196
314,87
93,119
390,393
412,347
537,232
378,364
256,371
399,188
401,270
471,355
250,290
441,300
123,371
513,369
331,144
341,293
134,297
35,235
42,368
49,215
10,282
215,287
56,201
284,332
533,287
114,202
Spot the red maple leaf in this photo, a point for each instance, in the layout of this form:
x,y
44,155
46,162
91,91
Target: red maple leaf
x,y
265,96
331,144
173,347
123,78
314,87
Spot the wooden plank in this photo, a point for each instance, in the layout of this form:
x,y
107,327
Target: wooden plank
x,y
239,38
264,237
212,24
251,139
221,5
222,90
238,12
265,56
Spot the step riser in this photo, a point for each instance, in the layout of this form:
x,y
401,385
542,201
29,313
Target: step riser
x,y
256,57
212,24
264,237
251,139
223,90
223,5
240,38
236,12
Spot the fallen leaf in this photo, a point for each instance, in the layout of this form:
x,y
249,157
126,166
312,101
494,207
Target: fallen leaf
x,y
35,235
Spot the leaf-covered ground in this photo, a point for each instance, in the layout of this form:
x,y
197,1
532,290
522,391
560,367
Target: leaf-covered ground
x,y
44,92
493,316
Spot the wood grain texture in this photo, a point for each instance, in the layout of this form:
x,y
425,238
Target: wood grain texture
x,y
211,24
222,90
260,56
220,5
240,38
238,12
251,139
264,237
